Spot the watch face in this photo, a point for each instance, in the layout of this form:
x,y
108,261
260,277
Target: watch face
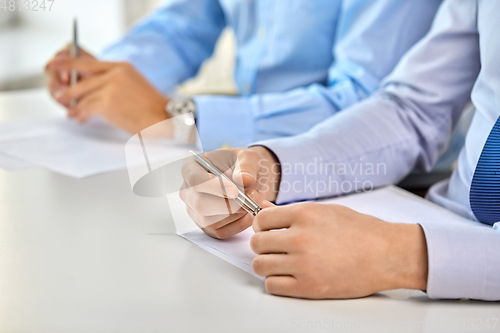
x,y
179,107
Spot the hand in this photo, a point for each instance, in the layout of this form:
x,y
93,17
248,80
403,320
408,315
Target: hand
x,y
215,212
58,79
115,91
331,251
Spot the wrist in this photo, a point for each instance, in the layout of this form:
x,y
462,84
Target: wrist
x,y
157,111
410,254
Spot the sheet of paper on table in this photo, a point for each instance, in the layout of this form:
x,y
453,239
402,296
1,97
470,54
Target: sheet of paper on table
x,y
11,163
390,203
79,151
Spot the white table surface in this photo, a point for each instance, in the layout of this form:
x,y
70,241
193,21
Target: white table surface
x,y
90,256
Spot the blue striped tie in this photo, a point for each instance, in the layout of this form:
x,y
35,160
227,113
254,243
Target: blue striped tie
x,y
485,188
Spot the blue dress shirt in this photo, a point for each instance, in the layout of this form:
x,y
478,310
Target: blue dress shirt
x,y
298,61
407,124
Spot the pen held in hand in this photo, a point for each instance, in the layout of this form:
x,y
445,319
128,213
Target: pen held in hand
x,y
245,201
75,53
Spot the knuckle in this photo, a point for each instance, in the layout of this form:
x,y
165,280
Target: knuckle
x,y
297,239
302,211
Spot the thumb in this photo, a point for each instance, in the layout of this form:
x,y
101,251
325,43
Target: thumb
x,y
267,204
246,170
262,203
259,198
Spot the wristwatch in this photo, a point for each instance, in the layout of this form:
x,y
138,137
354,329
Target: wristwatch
x,y
183,114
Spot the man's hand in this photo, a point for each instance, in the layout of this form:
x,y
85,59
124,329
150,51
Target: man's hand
x,y
115,91
58,79
331,251
209,199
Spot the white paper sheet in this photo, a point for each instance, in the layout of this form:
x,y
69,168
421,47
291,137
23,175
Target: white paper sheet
x,y
63,146
391,204
11,163
235,250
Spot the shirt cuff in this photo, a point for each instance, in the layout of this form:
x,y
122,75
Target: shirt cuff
x,y
291,153
224,121
464,261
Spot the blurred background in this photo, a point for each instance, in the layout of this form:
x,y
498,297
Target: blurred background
x,y
28,39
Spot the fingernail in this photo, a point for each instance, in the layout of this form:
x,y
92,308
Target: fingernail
x,y
252,193
247,173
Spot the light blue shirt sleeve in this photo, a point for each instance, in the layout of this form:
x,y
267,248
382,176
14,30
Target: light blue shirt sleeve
x,y
371,38
405,125
169,46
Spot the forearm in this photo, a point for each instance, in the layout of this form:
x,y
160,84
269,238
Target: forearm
x,y
170,44
355,150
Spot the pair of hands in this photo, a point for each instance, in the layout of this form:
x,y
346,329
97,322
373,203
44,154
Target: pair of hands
x,y
113,90
307,250
319,251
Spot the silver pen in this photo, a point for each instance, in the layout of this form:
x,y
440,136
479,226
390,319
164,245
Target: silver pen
x,y
245,201
75,53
